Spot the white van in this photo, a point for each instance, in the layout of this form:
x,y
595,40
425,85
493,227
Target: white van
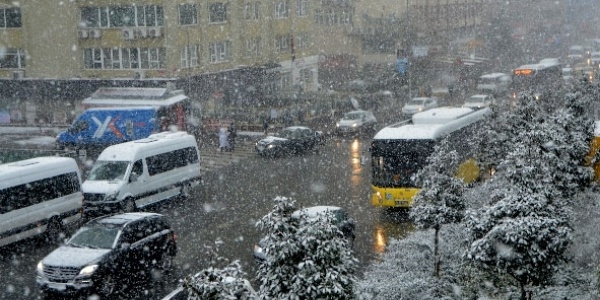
x,y
131,175
38,195
494,83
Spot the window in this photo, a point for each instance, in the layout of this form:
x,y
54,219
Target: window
x,y
124,58
13,59
168,161
333,16
189,56
282,43
10,17
217,13
253,46
188,14
286,81
252,11
302,41
281,9
219,52
122,16
302,8
35,192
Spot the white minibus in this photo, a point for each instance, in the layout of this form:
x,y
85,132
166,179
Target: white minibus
x,y
38,195
131,175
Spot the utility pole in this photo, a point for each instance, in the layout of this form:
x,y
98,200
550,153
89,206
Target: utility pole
x,y
407,36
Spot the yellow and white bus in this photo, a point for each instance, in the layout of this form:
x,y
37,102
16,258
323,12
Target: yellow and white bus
x,y
399,151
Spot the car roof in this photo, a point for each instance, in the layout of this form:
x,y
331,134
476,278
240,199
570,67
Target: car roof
x,y
313,211
493,75
123,219
293,128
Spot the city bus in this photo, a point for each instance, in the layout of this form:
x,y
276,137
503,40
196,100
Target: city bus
x,y
400,151
536,78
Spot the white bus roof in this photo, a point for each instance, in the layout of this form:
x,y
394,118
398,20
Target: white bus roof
x,y
154,144
432,124
33,169
134,97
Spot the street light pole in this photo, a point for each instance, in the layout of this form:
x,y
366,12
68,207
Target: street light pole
x,y
407,36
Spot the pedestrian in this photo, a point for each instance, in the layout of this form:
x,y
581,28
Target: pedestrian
x,y
231,135
266,125
223,140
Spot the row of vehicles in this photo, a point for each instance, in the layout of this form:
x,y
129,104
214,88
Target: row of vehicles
x,y
46,195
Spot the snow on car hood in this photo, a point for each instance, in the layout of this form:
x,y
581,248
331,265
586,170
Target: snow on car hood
x,y
67,256
101,186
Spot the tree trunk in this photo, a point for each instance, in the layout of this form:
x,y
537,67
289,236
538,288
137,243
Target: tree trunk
x,y
436,252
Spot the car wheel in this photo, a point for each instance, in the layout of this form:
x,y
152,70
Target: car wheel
x,y
129,205
185,191
166,261
54,230
109,286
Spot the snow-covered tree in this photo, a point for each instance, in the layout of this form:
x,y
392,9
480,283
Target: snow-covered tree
x,y
305,258
228,283
440,199
525,230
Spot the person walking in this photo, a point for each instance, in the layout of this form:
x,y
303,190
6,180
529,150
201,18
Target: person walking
x,y
231,135
223,140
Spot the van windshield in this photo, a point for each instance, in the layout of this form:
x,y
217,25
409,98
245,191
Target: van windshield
x,y
108,170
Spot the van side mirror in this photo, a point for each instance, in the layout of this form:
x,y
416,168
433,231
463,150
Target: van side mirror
x,y
133,177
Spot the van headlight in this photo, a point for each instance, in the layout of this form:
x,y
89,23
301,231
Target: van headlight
x,y
89,270
111,197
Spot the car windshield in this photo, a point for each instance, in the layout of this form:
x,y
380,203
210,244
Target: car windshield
x,y
487,80
416,102
288,134
353,116
475,100
108,170
94,237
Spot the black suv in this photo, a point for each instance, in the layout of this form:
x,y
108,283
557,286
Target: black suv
x,y
108,252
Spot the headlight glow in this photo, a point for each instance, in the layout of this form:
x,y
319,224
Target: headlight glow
x,y
88,270
40,267
270,146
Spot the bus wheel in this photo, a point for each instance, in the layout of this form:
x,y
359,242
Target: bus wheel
x,y
129,205
185,191
53,230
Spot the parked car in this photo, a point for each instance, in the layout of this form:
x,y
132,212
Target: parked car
x,y
356,122
479,101
340,218
288,141
575,53
419,104
107,252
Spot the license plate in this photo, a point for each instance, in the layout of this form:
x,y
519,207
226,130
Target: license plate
x,y
401,203
57,286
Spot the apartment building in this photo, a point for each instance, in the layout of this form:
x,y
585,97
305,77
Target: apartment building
x,y
368,33
216,50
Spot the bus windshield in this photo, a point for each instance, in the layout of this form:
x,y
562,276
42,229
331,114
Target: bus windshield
x,y
396,162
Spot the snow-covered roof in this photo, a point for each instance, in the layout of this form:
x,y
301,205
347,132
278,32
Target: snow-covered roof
x,y
134,97
130,151
433,123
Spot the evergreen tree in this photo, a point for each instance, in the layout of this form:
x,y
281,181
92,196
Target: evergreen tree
x,y
525,231
305,258
440,200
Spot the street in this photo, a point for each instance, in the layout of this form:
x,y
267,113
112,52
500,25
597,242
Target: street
x,y
237,190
